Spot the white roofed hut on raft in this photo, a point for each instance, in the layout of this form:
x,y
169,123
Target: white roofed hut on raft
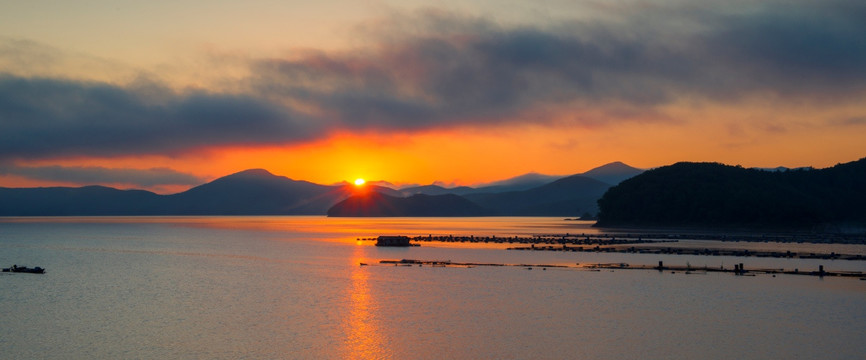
x,y
394,241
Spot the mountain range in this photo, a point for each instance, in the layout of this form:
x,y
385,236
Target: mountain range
x,y
258,192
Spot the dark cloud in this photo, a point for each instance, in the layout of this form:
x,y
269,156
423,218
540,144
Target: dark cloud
x,y
100,175
482,72
53,117
494,77
812,49
439,69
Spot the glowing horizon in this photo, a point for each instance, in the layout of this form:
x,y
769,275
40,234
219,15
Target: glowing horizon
x,y
457,94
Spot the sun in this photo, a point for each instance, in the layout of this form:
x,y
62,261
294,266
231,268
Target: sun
x,y
359,182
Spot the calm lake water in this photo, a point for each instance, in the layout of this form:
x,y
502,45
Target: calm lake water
x,y
292,288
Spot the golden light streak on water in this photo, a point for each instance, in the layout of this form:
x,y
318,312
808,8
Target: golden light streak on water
x,y
364,336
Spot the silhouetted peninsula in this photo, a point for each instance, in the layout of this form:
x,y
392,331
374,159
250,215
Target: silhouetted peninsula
x,y
712,194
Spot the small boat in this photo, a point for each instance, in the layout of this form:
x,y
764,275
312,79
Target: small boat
x,y
24,269
363,264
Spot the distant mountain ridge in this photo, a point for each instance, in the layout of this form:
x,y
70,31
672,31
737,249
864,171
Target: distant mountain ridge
x,y
569,196
249,192
84,201
611,174
256,192
259,192
518,183
683,194
526,195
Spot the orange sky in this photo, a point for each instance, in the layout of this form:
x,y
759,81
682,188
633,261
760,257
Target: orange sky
x,y
165,97
473,156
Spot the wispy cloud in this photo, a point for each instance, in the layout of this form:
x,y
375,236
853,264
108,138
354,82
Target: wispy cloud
x,y
852,121
99,175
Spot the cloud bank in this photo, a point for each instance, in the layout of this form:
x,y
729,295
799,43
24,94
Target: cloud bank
x,y
433,69
55,117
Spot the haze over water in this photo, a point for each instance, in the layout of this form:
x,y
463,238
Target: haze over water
x,y
292,287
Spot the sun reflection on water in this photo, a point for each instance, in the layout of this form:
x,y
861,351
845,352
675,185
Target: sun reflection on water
x,y
364,338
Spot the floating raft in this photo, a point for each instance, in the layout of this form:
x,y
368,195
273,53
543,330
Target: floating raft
x,y
581,239
399,241
449,263
623,238
695,251
738,269
24,269
631,243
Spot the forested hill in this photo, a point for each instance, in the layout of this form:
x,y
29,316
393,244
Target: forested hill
x,y
700,194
